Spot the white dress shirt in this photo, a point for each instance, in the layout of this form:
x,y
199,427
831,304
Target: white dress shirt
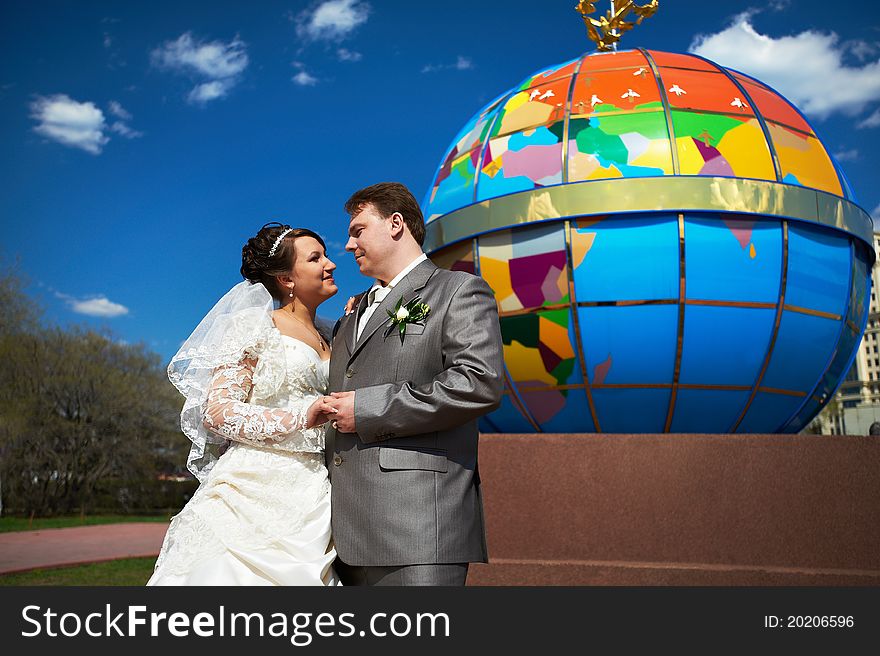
x,y
378,293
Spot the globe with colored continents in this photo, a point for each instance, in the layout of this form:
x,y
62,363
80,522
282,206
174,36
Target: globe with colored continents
x,y
671,247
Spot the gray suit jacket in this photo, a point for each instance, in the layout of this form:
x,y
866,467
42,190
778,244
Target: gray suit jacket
x,y
406,489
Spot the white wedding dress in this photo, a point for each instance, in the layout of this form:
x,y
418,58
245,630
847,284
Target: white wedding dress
x,y
262,513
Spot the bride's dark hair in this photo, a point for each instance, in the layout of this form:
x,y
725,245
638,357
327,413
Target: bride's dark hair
x,y
257,265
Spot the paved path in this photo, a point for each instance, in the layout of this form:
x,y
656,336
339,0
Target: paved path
x,y
53,547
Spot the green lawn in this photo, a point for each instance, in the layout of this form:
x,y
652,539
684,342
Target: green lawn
x,y
8,524
129,571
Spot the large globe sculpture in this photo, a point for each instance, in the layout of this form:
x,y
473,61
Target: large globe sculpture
x,y
671,247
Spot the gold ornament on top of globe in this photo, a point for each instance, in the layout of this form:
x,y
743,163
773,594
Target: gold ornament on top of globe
x,y
606,30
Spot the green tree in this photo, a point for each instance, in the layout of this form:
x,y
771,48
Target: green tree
x,y
79,409
20,314
19,318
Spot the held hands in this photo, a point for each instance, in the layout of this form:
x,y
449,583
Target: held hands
x,y
339,407
343,405
320,412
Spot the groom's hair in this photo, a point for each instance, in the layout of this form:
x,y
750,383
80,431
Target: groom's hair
x,y
388,198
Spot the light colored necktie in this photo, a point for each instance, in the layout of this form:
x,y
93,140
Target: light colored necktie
x,y
378,294
374,297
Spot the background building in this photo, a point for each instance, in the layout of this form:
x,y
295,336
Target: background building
x,y
857,402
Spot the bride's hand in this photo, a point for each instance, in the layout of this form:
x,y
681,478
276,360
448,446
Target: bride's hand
x,y
352,303
319,412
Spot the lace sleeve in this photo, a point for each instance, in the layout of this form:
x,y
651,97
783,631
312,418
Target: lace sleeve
x,y
229,414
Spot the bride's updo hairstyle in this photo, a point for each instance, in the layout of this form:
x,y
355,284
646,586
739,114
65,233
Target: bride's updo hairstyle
x,y
262,258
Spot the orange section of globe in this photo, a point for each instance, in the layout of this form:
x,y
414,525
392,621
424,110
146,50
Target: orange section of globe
x,y
581,243
680,61
774,108
556,338
552,74
626,58
614,88
541,105
497,274
700,90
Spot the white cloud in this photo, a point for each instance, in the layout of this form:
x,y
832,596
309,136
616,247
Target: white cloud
x,y
872,121
123,130
208,91
345,54
461,64
304,79
847,155
336,247
214,59
114,59
98,306
119,111
807,68
121,126
862,50
220,63
69,122
332,20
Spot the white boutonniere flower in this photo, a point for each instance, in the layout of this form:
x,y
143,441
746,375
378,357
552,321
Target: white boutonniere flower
x,y
404,314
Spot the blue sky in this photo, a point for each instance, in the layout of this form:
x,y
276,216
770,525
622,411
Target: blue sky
x,y
143,143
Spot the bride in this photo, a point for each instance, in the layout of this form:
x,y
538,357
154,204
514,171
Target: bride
x,y
254,378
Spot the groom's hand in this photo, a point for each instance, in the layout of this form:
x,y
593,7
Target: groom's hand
x,y
343,420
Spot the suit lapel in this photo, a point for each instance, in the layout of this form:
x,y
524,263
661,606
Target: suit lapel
x,y
406,289
348,326
356,317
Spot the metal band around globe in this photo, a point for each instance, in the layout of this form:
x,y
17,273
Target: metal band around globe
x,y
623,196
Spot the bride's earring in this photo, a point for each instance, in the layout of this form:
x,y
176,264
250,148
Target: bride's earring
x,y
291,292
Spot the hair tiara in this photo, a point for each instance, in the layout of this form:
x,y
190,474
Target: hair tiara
x,y
278,241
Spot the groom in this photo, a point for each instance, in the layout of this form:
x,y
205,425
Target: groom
x,y
402,450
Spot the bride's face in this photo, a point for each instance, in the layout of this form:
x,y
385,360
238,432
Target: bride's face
x,y
313,270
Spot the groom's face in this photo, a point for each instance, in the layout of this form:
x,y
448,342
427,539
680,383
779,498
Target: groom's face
x,y
370,241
